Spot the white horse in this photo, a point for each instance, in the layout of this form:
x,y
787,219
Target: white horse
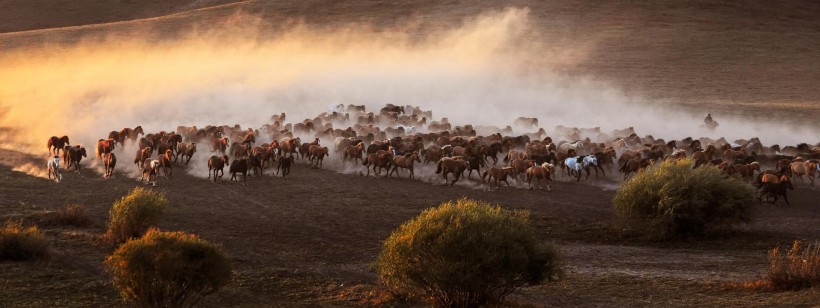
x,y
577,146
592,161
54,168
574,167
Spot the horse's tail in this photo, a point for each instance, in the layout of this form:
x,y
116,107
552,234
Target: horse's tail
x,y
484,175
438,167
366,161
623,166
507,158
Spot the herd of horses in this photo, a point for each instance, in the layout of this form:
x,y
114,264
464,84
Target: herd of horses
x,y
397,138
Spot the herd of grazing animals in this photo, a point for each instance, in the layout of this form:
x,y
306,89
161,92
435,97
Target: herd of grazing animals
x,y
398,137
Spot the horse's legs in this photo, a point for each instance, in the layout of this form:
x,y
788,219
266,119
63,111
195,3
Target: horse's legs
x,y
786,197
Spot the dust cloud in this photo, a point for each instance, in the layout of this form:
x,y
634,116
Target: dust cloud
x,y
487,71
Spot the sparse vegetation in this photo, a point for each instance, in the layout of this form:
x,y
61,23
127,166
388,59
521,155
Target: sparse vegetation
x,y
18,243
134,214
168,269
798,269
674,200
70,215
465,253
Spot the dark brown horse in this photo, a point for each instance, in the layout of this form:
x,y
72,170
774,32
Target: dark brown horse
x,y
773,186
634,166
56,144
239,166
449,165
72,155
217,165
284,165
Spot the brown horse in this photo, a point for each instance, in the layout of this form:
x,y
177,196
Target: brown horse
x,y
284,165
142,155
217,164
165,161
265,155
219,145
255,163
130,134
240,150
110,162
432,154
145,142
56,144
185,150
808,168
520,166
449,165
289,145
746,171
542,172
377,161
354,152
406,162
634,165
316,154
773,186
498,174
105,146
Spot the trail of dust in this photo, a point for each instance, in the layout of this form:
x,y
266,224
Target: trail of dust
x,y
482,73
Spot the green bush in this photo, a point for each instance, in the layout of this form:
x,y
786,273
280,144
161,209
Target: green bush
x,y
466,253
799,268
168,269
134,214
674,200
18,243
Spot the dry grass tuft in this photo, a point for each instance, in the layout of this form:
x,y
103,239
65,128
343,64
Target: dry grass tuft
x,y
18,243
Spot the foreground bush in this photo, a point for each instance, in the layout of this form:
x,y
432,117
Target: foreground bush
x,y
799,268
673,200
168,269
18,243
466,253
134,214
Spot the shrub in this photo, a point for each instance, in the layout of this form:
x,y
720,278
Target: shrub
x,y
70,215
466,253
18,243
168,269
799,268
674,200
134,214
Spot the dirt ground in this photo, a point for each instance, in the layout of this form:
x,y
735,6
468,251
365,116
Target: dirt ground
x,y
296,243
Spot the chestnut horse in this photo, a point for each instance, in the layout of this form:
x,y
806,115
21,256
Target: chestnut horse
x,y
377,161
110,162
142,155
316,154
105,146
354,152
542,172
406,162
185,150
808,168
165,162
219,145
497,174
